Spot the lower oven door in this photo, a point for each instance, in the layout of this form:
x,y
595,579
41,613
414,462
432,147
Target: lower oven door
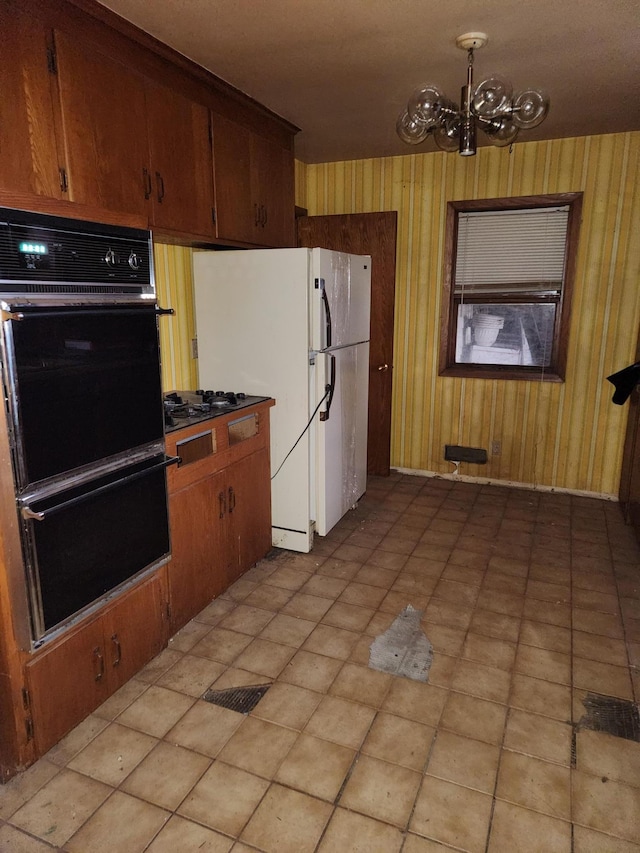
x,y
86,541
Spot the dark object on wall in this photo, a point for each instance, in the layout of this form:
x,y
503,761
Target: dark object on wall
x,y
625,381
456,453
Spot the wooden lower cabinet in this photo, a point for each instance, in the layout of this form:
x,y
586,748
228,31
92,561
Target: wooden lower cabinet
x,y
220,511
70,678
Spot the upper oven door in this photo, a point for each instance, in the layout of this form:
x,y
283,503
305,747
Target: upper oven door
x,y
82,383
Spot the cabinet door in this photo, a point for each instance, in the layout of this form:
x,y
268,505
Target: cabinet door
x,y
133,631
273,192
197,571
236,218
181,162
104,126
66,683
28,151
249,511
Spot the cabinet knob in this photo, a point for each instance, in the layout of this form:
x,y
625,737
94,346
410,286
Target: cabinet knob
x,y
382,368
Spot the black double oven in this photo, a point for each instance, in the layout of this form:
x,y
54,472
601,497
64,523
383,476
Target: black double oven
x,y
82,392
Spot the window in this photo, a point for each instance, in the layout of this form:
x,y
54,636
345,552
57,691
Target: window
x,y
507,292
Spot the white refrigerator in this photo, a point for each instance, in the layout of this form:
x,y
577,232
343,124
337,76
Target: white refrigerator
x,y
293,324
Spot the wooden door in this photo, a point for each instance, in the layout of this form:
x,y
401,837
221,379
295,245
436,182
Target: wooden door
x,y
368,234
250,510
235,219
272,192
105,129
198,569
66,683
133,631
181,162
28,148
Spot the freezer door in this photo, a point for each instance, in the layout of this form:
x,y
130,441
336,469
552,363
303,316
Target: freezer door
x,y
341,435
340,299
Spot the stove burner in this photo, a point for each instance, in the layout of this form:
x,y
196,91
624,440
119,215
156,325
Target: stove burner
x,y
187,405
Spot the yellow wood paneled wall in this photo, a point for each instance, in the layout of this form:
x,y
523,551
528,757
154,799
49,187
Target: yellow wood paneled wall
x,y
566,435
174,284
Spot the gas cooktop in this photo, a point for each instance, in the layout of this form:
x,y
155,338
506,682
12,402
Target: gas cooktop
x,y
185,408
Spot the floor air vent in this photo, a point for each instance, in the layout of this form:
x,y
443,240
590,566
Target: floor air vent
x,y
618,717
240,699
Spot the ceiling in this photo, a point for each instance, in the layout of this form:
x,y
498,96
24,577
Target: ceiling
x,y
342,70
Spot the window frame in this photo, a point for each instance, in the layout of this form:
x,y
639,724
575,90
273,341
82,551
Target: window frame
x,y
556,370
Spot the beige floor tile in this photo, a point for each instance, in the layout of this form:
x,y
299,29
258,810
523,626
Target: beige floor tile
x,y
372,574
534,784
399,741
221,645
180,834
546,611
47,814
422,563
395,602
515,828
264,657
558,593
589,841
446,640
348,831
230,813
543,664
316,767
316,672
342,569
258,747
215,611
186,638
22,787
464,761
289,578
287,705
268,597
324,586
166,775
238,591
379,623
540,737
288,630
307,606
412,584
438,800
489,651
113,754
340,721
591,622
122,698
205,728
122,823
540,697
508,603
458,593
590,599
156,711
287,822
602,678
444,612
473,717
607,756
76,740
498,625
348,616
417,844
390,558
501,582
160,663
596,647
381,790
361,684
606,806
509,566
12,840
485,682
415,700
545,636
232,677
333,642
191,675
246,620
363,595
471,560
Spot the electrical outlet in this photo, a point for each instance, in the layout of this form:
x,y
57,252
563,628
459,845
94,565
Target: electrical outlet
x,y
194,347
496,448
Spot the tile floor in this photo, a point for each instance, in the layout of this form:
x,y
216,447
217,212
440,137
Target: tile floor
x,y
530,600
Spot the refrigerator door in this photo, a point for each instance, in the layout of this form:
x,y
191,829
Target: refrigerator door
x,y
340,299
341,436
252,325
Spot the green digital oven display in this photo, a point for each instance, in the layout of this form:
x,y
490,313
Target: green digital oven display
x,y
27,248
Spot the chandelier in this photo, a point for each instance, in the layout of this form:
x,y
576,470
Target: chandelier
x,y
490,106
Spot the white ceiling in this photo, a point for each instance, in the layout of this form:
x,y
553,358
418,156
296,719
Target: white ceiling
x,y
342,70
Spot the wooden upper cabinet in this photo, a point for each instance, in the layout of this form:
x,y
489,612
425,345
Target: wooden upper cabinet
x,y
181,164
254,186
104,125
29,160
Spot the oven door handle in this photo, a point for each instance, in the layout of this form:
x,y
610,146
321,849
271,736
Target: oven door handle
x,y
35,515
82,312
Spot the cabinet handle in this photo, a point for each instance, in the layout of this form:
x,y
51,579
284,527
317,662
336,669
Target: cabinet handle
x,y
222,500
146,177
264,216
97,655
232,499
256,215
160,187
118,648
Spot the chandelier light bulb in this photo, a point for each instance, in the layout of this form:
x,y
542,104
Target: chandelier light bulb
x,y
490,106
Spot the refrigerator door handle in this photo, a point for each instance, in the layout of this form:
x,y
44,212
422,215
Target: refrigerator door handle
x,y
329,389
327,315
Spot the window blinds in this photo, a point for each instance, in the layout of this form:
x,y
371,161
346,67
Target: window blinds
x,y
511,251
